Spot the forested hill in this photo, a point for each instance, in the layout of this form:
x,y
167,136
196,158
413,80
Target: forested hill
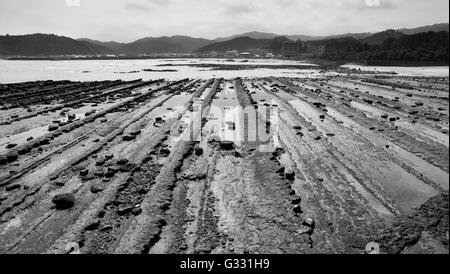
x,y
47,45
421,47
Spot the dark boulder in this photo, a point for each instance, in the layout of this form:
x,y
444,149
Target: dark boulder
x,y
84,172
93,225
109,174
127,167
227,145
11,157
123,210
297,209
12,187
135,132
96,188
11,145
290,176
296,200
24,150
128,137
53,127
59,183
136,211
122,161
3,160
64,201
100,161
198,151
109,157
164,152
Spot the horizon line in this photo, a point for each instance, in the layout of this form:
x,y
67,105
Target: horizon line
x,y
239,34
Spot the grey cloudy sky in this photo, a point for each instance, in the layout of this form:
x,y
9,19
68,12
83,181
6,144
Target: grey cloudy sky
x,y
128,20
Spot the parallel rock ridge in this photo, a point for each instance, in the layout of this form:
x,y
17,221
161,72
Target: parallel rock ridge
x,y
352,163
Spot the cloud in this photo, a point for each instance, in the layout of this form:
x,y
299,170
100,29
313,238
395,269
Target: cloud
x,y
160,2
148,5
239,8
286,3
379,4
138,7
134,19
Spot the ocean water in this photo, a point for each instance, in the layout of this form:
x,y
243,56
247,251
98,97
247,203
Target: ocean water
x,y
12,71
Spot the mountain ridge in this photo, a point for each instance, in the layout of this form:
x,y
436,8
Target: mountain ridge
x,y
361,35
39,44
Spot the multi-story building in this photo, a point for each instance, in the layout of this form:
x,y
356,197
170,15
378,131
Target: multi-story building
x,y
292,49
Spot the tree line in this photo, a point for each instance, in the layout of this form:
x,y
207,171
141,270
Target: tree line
x,y
421,47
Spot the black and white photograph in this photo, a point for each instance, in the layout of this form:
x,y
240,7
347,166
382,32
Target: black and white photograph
x,y
231,128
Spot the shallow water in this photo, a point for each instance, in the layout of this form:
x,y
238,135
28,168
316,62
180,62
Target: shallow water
x,y
434,173
423,130
223,113
371,111
21,138
407,190
440,71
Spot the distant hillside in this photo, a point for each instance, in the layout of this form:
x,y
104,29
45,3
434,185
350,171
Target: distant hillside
x,y
421,47
376,37
267,35
115,46
151,45
174,44
47,44
245,44
362,35
380,37
315,38
435,28
97,49
252,34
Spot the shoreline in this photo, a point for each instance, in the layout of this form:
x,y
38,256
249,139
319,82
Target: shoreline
x,y
322,62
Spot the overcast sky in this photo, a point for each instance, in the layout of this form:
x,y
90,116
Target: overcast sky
x,y
128,20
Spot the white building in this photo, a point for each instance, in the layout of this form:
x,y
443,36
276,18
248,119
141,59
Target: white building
x,y
231,54
245,55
